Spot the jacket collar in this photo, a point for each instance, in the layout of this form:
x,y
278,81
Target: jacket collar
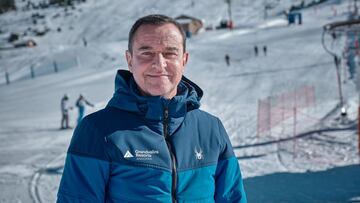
x,y
127,97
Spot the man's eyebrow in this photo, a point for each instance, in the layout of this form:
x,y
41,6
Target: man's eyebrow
x,y
144,48
172,49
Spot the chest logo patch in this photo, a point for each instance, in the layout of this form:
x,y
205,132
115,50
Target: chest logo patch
x,y
128,155
199,154
141,154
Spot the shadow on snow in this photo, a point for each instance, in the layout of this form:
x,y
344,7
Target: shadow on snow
x,y
341,184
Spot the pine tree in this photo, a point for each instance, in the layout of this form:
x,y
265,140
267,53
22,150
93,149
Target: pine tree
x,y
62,2
6,5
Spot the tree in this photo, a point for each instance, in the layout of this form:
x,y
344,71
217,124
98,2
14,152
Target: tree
x,y
6,5
62,2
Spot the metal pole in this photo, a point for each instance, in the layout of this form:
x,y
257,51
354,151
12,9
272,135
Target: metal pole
x,y
359,125
32,71
78,62
355,8
359,129
55,67
7,78
283,113
258,120
295,108
265,10
229,9
336,59
230,23
269,110
295,121
294,135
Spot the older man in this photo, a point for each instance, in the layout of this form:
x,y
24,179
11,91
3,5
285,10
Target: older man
x,y
152,143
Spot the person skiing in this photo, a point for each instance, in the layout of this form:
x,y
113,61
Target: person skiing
x,y
84,41
81,102
227,59
256,50
265,50
65,108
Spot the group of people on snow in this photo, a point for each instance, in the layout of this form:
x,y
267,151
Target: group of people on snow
x,y
80,104
256,51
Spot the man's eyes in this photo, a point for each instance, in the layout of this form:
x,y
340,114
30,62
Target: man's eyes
x,y
170,54
166,54
147,53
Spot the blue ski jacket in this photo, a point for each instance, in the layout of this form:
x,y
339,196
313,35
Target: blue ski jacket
x,y
148,149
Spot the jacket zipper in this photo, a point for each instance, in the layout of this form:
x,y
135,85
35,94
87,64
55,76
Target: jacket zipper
x,y
172,155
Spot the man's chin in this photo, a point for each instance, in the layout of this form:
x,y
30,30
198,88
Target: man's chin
x,y
161,92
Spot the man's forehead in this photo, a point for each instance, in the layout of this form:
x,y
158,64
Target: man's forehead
x,y
158,34
167,27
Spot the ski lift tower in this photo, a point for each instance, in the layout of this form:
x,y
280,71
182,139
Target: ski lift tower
x,y
268,6
231,23
338,32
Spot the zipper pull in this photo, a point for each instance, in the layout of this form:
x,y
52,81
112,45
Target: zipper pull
x,y
166,114
166,124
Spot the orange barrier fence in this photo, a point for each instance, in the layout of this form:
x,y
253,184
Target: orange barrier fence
x,y
276,109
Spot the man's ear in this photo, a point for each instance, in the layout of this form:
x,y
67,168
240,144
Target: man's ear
x,y
185,58
129,60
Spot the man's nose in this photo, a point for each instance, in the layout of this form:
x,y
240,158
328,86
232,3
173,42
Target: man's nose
x,y
159,61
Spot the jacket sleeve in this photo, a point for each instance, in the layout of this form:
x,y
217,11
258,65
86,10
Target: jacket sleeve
x,y
86,170
228,180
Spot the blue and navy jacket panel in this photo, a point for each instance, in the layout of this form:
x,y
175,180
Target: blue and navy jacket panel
x,y
119,154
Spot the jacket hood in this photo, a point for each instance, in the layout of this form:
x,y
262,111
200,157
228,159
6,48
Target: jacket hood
x,y
127,97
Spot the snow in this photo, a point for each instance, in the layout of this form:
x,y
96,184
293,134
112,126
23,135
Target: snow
x,y
319,163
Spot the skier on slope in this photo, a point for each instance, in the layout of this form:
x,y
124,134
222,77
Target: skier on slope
x,y
65,108
81,102
256,50
227,59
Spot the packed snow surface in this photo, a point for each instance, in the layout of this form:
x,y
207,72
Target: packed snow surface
x,y
309,157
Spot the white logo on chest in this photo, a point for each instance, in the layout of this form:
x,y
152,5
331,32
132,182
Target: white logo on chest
x,y
141,154
128,155
198,154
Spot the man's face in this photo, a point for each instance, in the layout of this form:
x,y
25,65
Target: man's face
x,y
157,61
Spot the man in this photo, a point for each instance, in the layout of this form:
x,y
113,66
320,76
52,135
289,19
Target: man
x,y
256,50
152,143
265,50
65,112
227,59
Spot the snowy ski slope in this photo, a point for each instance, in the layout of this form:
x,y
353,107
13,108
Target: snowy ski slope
x,y
318,164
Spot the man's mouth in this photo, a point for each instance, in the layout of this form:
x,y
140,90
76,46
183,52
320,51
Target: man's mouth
x,y
157,75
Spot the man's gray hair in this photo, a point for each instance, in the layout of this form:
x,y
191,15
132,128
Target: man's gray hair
x,y
155,19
